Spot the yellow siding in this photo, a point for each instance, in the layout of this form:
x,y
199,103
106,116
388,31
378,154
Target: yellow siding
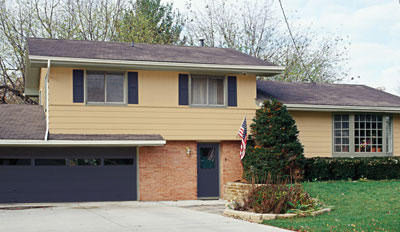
x,y
315,132
158,111
396,135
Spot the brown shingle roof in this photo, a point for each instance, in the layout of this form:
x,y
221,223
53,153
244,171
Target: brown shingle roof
x,y
325,94
140,52
25,122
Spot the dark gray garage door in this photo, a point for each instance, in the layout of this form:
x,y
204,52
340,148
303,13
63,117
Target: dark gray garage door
x,y
67,174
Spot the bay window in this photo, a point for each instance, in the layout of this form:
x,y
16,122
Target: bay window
x,y
207,90
362,134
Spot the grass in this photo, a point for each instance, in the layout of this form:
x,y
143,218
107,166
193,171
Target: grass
x,y
358,206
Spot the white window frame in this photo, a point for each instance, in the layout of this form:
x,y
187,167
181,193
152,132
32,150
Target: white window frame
x,y
125,88
209,76
351,152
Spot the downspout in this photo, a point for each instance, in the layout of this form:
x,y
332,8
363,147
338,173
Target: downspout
x,y
46,137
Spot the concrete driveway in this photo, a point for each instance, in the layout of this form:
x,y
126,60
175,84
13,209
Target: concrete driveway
x,y
124,216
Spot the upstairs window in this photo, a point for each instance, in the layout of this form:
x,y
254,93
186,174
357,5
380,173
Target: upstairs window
x,y
105,87
207,90
362,134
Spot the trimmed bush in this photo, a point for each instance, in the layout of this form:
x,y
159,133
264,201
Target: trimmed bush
x,y
273,147
374,168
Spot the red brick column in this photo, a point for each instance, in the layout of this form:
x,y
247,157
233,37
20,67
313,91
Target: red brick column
x,y
166,173
231,166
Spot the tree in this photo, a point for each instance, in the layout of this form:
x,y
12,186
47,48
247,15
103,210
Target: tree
x,y
274,148
97,20
149,21
253,27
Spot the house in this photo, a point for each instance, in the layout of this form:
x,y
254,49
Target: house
x,y
339,120
124,121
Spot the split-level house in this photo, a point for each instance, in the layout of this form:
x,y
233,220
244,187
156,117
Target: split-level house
x,y
125,121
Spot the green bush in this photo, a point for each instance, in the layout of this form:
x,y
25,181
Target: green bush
x,y
273,145
374,168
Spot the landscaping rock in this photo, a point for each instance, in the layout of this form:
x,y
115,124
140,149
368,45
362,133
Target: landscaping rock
x,y
286,215
267,216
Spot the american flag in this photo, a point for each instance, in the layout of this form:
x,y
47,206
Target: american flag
x,y
242,133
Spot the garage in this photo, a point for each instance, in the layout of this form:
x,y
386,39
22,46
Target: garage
x,y
67,174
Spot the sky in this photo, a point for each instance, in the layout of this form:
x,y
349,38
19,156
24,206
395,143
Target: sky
x,y
372,27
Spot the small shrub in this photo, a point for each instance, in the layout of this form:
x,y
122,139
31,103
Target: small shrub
x,y
277,198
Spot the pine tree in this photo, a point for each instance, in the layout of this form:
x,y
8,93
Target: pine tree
x,y
274,147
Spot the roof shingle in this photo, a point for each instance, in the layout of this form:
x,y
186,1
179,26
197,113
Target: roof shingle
x,y
140,52
25,122
325,94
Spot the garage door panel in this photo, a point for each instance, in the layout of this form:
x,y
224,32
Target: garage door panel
x,y
69,183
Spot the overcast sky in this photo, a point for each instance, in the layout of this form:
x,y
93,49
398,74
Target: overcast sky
x,y
372,27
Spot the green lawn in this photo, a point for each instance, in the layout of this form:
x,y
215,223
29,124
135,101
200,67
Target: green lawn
x,y
358,206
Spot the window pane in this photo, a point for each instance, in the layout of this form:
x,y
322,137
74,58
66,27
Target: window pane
x,y
207,157
199,91
115,87
95,86
50,162
216,91
84,162
15,162
118,162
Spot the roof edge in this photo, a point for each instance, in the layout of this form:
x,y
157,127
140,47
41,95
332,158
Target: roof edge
x,y
97,143
339,108
58,61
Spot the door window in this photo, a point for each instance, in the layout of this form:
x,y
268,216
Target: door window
x,y
207,157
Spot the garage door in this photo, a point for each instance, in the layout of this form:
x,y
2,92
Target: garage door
x,y
84,174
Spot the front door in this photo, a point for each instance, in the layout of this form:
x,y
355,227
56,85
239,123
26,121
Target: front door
x,y
208,170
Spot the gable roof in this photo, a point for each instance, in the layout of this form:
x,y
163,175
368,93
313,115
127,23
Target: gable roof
x,y
25,122
140,52
325,94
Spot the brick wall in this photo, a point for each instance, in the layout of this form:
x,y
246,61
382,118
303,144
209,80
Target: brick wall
x,y
231,166
166,173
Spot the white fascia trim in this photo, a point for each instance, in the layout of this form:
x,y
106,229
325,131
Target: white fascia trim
x,y
102,143
306,107
158,64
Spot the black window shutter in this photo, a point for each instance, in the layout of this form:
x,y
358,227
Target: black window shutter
x,y
232,91
183,89
77,85
133,88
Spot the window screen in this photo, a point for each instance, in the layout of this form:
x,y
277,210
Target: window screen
x,y
105,87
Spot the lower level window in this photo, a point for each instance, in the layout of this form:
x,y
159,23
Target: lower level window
x,y
15,162
118,162
362,133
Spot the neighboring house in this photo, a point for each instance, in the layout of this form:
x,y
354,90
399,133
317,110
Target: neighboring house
x,y
340,120
121,121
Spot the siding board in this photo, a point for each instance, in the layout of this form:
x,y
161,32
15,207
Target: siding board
x,y
315,132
